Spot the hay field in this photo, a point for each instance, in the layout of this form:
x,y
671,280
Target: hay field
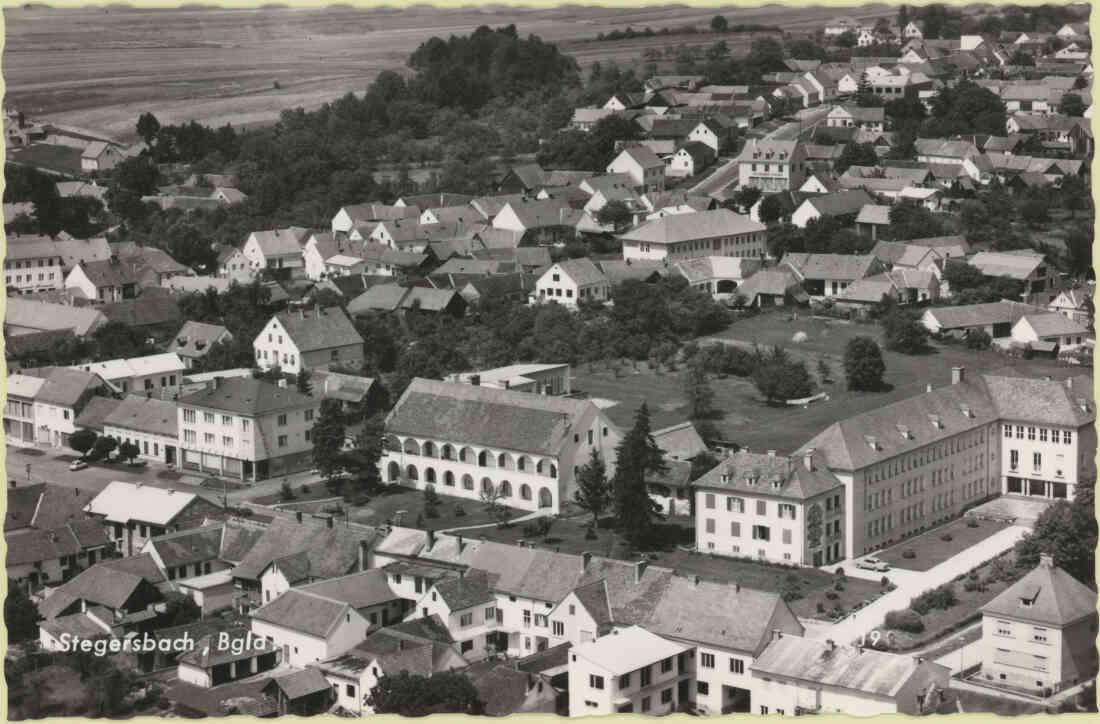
x,y
102,67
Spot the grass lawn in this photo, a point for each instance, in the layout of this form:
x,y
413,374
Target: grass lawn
x,y
939,623
382,507
317,491
932,550
746,420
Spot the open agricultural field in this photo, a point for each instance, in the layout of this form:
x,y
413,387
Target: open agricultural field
x,y
749,422
102,67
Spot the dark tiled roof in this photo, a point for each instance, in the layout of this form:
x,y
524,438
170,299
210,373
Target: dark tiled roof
x,y
330,552
1053,597
300,611
463,592
55,543
359,590
248,396
479,415
771,475
313,329
95,412
189,546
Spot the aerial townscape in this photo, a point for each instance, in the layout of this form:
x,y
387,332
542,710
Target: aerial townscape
x,y
577,361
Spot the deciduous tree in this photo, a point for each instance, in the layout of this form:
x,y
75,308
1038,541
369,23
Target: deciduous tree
x,y
593,494
863,364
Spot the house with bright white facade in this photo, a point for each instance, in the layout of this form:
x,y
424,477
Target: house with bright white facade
x,y
571,281
464,439
718,232
1040,632
772,166
158,374
540,379
772,508
642,165
312,338
629,671
246,428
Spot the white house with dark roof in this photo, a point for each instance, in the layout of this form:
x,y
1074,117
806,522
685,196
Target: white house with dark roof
x,y
796,675
1038,277
275,249
828,275
246,428
1075,304
1050,329
32,264
771,507
852,116
464,439
839,204
156,374
1040,632
466,604
308,627
719,276
644,167
718,232
308,339
100,156
572,281
58,402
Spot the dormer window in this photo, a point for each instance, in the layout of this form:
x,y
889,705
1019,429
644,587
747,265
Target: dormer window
x,y
903,430
936,421
872,441
966,412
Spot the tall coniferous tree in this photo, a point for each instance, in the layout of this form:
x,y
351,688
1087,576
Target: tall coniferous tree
x,y
637,457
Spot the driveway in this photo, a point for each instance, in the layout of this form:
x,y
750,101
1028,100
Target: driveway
x,y
909,585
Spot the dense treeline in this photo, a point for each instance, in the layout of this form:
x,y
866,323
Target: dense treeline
x,y
629,33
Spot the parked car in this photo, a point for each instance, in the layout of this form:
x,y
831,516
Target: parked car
x,y
78,465
871,563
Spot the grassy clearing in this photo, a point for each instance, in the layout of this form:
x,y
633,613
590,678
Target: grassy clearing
x,y
453,512
745,419
932,550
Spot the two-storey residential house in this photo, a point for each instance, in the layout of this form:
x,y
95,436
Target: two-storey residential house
x,y
106,281
308,339
247,429
52,556
307,627
466,603
157,375
644,167
466,439
572,281
59,401
19,429
629,671
772,166
133,513
1039,634
233,264
278,251
33,264
719,232
770,507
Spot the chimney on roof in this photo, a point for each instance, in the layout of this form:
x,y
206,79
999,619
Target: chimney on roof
x,y
831,644
1046,560
586,558
328,521
364,552
431,539
695,580
461,543
808,459
475,380
776,634
958,375
639,570
928,387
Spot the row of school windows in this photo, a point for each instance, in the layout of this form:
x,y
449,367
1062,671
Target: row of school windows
x,y
1041,433
737,505
918,458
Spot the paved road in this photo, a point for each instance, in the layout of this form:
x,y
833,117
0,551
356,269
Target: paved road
x,y
910,584
726,174
52,466
721,177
